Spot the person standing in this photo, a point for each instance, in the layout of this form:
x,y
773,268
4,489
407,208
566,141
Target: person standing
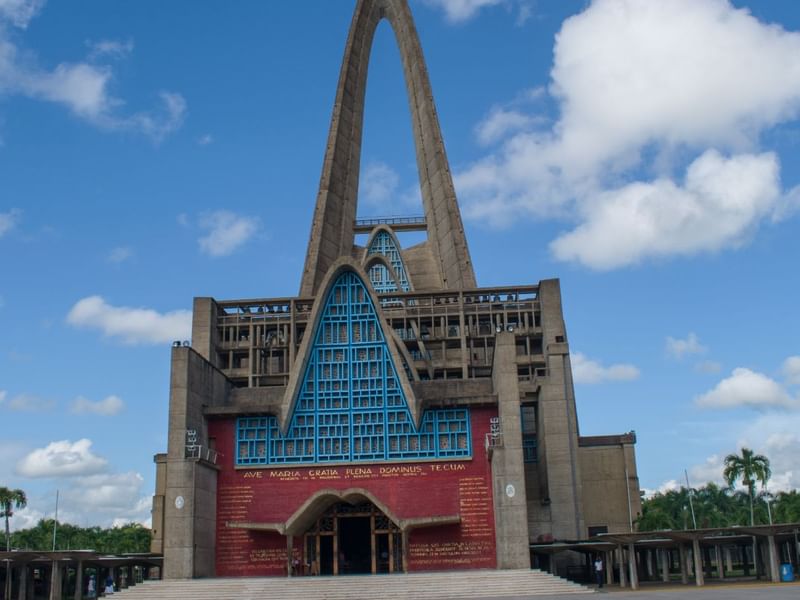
x,y
598,570
91,589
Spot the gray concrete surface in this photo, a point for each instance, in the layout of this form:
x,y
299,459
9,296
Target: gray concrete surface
x,y
743,591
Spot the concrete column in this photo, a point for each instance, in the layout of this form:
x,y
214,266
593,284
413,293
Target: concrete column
x,y
55,581
608,557
665,565
682,560
623,580
728,559
289,551
649,563
79,581
508,465
773,559
22,593
8,573
720,565
634,573
404,536
699,578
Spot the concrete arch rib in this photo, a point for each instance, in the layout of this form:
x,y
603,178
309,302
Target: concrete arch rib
x,y
335,212
319,502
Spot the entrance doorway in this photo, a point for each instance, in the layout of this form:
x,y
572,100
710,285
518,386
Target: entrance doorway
x,y
352,539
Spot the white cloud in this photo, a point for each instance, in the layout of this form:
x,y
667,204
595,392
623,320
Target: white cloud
x,y
378,184
108,406
26,403
133,325
679,348
709,471
120,254
82,87
457,11
119,492
227,232
19,12
720,204
379,191
586,370
502,121
791,370
747,388
644,87
8,221
205,140
62,459
110,48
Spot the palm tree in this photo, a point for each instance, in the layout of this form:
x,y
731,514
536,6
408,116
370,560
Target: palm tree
x,y
750,468
10,499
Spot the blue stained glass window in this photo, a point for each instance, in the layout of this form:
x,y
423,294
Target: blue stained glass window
x,y
379,275
350,405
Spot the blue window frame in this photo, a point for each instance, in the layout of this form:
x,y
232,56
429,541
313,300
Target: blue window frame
x,y
381,279
350,405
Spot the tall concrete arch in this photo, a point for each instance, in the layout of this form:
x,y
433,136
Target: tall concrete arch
x,y
335,213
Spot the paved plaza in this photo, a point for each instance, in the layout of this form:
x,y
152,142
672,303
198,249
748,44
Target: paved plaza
x,y
735,591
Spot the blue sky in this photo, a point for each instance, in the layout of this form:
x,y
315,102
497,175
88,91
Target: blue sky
x,y
645,153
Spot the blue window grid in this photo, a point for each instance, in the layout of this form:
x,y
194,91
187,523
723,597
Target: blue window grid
x,y
379,275
350,405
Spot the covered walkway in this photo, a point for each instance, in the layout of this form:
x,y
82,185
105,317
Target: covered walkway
x,y
26,575
688,556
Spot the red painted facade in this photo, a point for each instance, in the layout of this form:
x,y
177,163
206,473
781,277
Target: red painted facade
x,y
408,490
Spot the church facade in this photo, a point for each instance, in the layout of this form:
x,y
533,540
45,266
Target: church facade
x,y
392,417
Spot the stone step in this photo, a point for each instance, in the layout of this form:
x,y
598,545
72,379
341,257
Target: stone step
x,y
419,586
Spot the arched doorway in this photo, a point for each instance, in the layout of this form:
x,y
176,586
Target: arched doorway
x,y
350,539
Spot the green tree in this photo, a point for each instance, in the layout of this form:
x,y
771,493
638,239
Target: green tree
x,y
787,507
750,468
10,500
129,538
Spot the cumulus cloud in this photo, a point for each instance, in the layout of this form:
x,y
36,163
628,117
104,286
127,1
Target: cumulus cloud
x,y
226,232
643,87
107,407
8,221
720,204
745,387
82,87
502,121
586,370
115,498
679,348
791,370
62,459
132,325
26,403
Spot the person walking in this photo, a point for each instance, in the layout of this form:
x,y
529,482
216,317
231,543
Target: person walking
x,y
598,571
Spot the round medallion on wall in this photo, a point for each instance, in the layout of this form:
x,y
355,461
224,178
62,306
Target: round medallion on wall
x,y
510,491
179,502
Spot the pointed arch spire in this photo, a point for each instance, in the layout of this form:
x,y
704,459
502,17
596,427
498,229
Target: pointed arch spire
x,y
336,207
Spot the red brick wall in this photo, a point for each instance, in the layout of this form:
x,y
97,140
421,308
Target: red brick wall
x,y
423,489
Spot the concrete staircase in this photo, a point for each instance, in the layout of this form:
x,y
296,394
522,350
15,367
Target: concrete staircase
x,y
416,586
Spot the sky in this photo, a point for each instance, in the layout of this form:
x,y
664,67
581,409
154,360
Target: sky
x,y
645,153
